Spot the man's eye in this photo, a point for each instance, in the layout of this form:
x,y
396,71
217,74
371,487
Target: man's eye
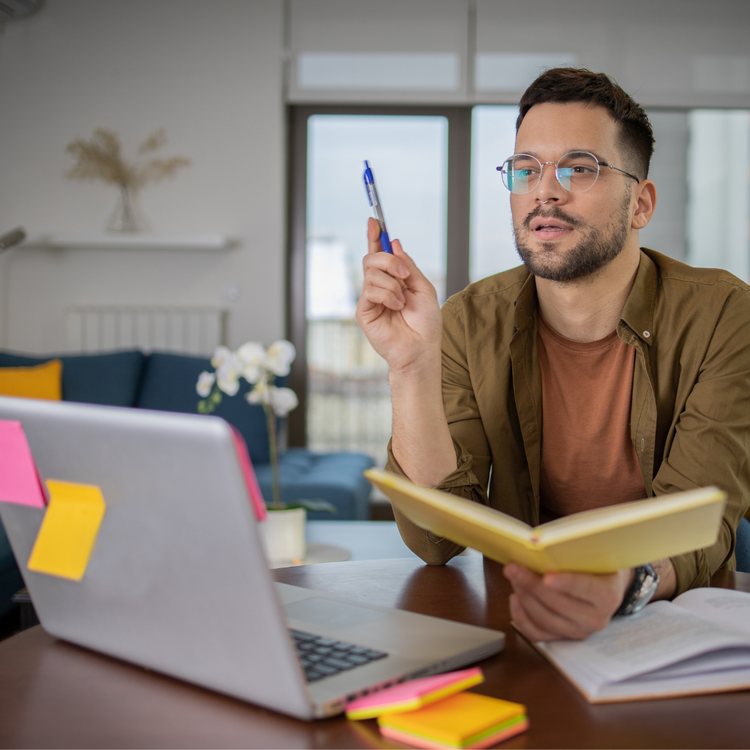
x,y
525,173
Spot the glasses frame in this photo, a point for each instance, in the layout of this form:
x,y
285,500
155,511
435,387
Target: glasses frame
x,y
543,164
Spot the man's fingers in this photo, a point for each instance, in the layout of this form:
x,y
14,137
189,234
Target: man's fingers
x,y
523,622
373,237
373,296
601,591
550,624
564,605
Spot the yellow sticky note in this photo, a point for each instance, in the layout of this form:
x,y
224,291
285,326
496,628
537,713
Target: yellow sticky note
x,y
68,532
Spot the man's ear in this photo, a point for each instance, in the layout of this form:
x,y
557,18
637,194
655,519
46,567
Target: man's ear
x,y
645,203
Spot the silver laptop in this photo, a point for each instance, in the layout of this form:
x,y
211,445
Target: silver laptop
x,y
178,579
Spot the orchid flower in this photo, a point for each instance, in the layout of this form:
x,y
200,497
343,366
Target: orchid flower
x,y
206,382
279,357
259,367
283,400
251,356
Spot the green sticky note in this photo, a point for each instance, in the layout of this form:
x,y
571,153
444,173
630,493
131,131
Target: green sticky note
x,y
68,532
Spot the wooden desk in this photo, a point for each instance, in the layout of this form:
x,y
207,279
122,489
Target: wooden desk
x,y
53,694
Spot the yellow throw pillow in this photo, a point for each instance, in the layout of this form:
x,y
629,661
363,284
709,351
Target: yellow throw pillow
x,y
40,381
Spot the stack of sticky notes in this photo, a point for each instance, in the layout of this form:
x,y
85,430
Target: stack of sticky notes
x,y
435,712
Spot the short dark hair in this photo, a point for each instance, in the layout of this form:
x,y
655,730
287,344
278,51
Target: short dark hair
x,y
567,85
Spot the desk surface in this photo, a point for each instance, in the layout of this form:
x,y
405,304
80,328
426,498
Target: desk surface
x,y
53,694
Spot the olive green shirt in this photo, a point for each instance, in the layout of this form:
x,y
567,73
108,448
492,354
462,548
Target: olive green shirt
x,y
690,405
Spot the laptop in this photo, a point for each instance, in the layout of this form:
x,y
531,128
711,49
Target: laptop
x,y
177,580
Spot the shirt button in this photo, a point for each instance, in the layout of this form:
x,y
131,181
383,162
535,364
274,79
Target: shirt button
x,y
646,335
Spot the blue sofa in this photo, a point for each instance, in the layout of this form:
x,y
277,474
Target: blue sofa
x,y
166,381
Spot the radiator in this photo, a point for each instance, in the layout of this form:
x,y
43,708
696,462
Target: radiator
x,y
188,330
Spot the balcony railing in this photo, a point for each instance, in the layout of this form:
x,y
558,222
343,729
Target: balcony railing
x,y
349,402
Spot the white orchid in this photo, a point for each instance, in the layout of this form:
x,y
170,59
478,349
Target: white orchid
x,y
228,379
221,355
259,367
251,357
206,382
228,372
259,394
283,400
279,357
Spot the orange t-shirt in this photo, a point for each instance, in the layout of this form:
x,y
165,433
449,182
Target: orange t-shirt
x,y
588,458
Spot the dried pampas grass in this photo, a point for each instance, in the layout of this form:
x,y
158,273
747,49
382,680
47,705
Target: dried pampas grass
x,y
101,159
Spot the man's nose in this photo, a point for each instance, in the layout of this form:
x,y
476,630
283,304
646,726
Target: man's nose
x,y
549,188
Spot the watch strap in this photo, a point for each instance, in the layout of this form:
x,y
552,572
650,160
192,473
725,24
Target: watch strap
x,y
641,591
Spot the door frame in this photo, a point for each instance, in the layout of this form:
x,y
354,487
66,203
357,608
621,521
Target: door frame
x,y
457,229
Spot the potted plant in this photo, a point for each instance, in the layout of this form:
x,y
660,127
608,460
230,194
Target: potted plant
x,y
284,528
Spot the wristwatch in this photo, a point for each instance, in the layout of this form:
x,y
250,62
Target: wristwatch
x,y
645,582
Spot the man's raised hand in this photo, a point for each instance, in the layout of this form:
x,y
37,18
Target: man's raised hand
x,y
398,309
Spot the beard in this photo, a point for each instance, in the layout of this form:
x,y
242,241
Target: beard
x,y
598,248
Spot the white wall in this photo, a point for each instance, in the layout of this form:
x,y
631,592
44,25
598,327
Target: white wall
x,y
211,74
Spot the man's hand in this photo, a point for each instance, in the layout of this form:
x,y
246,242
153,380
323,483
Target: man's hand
x,y
398,309
564,605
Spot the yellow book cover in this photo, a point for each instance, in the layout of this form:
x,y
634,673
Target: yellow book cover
x,y
596,541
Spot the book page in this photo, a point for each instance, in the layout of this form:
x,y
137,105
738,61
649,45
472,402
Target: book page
x,y
728,608
716,661
660,634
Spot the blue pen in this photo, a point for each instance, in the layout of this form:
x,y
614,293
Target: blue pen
x,y
372,194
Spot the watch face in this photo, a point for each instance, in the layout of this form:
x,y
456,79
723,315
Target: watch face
x,y
645,583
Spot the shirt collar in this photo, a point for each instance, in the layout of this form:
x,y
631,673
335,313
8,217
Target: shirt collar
x,y
526,304
638,313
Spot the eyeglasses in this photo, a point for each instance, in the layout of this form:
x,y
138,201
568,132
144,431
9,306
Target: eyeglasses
x,y
576,172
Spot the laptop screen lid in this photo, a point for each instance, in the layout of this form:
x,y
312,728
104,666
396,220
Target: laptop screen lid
x,y
177,579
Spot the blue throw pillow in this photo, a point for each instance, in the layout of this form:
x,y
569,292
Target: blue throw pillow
x,y
169,385
110,378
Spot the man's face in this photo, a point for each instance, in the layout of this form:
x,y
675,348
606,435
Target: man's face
x,y
560,235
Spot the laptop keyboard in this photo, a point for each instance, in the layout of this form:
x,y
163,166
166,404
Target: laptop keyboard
x,y
325,657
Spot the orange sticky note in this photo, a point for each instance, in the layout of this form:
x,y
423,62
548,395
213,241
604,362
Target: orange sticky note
x,y
68,532
19,479
466,720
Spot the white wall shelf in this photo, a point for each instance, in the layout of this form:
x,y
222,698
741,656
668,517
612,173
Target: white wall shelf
x,y
130,242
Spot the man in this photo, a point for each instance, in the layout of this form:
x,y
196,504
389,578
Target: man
x,y
596,373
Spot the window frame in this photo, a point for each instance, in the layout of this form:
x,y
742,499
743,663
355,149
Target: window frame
x,y
457,230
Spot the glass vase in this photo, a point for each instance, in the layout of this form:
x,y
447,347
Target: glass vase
x,y
283,532
124,218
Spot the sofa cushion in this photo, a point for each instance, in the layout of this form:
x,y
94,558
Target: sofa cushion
x,y
169,382
111,378
336,477
38,381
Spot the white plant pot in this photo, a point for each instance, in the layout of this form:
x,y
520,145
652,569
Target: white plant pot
x,y
284,535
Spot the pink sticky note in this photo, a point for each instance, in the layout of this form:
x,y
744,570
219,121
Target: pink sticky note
x,y
413,694
19,479
256,496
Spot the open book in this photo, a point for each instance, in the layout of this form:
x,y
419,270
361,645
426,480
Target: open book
x,y
699,643
596,541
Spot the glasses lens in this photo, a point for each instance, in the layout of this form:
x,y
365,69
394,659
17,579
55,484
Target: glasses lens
x,y
521,173
577,171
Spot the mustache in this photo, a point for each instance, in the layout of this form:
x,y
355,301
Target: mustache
x,y
553,212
